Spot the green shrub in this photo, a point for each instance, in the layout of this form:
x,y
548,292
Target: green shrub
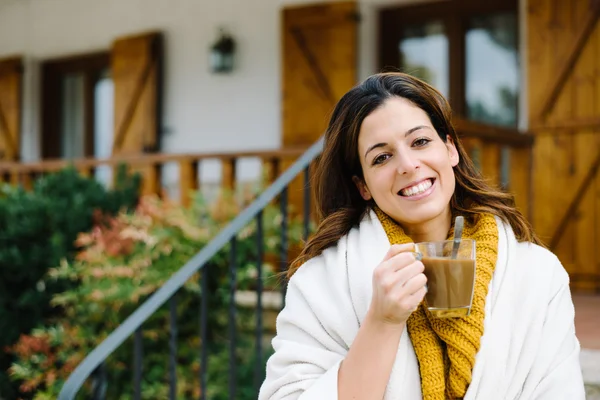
x,y
38,228
123,261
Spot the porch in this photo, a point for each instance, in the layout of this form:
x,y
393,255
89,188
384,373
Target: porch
x,y
164,118
587,328
492,142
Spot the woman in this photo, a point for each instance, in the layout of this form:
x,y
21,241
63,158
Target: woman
x,y
392,173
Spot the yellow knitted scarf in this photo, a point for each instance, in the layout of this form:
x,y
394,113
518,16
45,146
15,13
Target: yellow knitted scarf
x,y
446,347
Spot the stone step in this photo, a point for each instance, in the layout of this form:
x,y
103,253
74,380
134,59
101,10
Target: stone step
x,y
590,367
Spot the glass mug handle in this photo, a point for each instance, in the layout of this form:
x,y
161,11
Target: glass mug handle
x,y
419,257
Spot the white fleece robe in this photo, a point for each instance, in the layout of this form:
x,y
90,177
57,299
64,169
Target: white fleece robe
x,y
528,351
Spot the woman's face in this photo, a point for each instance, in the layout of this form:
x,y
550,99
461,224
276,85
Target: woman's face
x,y
407,168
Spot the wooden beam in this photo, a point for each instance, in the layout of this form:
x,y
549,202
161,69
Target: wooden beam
x,y
573,124
188,181
271,168
581,191
290,153
151,179
228,174
569,61
491,133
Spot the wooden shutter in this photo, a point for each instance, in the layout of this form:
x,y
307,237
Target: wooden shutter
x,y
136,71
10,108
319,66
564,107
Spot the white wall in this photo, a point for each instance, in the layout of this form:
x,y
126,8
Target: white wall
x,y
202,111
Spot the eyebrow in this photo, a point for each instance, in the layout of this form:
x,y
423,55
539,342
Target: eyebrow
x,y
406,134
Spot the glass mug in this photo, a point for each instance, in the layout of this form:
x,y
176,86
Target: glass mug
x,y
450,282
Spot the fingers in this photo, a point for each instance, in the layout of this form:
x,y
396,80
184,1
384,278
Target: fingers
x,y
414,284
399,261
398,270
411,283
397,257
398,283
413,292
420,294
397,249
409,278
416,298
407,272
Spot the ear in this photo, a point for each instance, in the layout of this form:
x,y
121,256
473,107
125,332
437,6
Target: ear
x,y
452,152
362,188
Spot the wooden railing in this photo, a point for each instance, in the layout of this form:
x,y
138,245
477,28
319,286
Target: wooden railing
x,y
493,147
487,145
151,167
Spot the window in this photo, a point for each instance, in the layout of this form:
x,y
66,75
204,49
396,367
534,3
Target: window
x,y
77,107
467,49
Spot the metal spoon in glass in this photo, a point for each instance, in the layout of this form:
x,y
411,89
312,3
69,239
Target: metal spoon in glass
x,y
459,223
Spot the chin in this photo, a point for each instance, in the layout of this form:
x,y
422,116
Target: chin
x,y
419,215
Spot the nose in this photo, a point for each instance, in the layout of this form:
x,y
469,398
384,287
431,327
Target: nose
x,y
407,163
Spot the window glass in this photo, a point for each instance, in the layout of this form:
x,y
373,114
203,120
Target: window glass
x,y
492,69
424,54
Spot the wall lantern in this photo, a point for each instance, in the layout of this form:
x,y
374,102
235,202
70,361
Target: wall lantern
x,y
222,53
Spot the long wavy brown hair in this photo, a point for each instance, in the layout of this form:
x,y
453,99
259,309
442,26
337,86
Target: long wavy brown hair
x,y
339,204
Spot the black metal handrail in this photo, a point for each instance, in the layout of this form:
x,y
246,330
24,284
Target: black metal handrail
x,y
94,362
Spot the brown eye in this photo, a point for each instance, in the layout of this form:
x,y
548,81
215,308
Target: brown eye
x,y
421,142
380,158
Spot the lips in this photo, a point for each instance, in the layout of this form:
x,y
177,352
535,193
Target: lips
x,y
417,188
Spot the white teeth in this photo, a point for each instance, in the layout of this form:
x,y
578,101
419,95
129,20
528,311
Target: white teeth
x,y
417,189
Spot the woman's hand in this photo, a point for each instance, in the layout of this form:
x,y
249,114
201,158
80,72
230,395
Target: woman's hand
x,y
398,286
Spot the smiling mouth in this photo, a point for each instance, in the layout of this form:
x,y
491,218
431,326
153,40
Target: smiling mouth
x,y
418,189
